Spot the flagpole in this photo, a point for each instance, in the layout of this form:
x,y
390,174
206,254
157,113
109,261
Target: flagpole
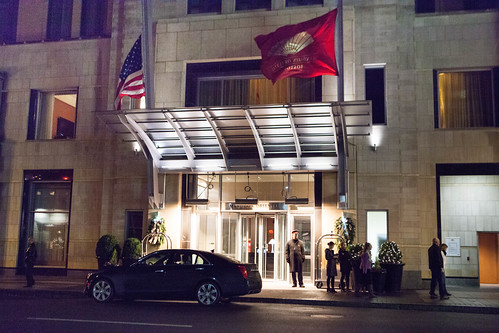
x,y
148,69
341,140
339,54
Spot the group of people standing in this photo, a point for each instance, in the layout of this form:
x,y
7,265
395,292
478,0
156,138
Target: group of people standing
x,y
344,259
295,256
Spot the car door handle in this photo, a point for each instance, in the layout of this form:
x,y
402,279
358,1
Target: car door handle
x,y
159,271
199,269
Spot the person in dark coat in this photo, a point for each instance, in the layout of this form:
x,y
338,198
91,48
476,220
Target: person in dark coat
x,y
295,256
331,267
345,267
436,265
29,261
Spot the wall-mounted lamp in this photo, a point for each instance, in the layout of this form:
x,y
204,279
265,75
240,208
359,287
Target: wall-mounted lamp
x,y
374,147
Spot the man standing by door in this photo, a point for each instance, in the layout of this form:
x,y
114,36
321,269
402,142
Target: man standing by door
x,y
436,265
295,256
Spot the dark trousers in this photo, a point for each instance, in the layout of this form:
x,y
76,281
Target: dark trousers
x,y
300,277
444,287
330,282
28,269
345,280
436,278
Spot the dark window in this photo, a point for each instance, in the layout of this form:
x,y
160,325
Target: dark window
x,y
134,220
242,83
295,3
375,92
93,18
204,6
59,19
52,115
466,99
8,21
444,6
253,4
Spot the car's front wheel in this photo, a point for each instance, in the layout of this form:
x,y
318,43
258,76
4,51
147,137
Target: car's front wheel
x,y
102,291
208,293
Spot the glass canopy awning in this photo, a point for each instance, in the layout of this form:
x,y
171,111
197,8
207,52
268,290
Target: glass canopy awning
x,y
244,138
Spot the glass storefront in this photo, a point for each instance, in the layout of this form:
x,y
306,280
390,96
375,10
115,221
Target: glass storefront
x,y
245,216
46,212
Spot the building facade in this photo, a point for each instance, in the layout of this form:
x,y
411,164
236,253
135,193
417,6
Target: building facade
x,y
237,180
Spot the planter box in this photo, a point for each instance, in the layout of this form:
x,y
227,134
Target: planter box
x,y
393,276
379,281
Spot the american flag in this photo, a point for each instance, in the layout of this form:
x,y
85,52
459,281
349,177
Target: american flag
x,y
131,77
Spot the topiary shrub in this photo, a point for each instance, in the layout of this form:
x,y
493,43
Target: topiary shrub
x,y
107,251
132,250
389,253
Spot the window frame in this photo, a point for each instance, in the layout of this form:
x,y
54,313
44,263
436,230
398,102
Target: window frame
x,y
204,71
59,19
387,220
36,109
8,21
494,72
378,106
204,7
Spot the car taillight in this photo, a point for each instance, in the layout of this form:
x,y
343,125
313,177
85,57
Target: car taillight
x,y
243,271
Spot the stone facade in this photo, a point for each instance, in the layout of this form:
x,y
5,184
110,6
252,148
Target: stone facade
x,y
399,176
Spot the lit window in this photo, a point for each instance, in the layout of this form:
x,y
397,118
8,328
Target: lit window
x,y
377,230
242,83
52,115
466,99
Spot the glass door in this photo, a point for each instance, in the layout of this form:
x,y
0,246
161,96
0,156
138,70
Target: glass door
x,y
263,240
303,224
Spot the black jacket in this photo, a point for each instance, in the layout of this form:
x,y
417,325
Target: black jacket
x,y
435,261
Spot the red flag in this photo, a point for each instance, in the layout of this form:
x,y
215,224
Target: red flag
x,y
301,50
131,77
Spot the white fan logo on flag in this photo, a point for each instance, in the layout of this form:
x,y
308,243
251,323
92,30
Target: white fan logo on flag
x,y
293,45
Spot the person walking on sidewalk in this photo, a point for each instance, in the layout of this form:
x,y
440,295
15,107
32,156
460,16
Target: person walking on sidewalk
x,y
366,267
444,248
295,256
331,267
345,267
436,265
29,261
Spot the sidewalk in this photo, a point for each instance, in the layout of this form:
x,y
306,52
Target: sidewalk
x,y
484,299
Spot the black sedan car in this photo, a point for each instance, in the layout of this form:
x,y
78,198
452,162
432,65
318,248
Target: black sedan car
x,y
176,274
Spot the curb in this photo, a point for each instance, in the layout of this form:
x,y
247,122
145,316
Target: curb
x,y
61,294
392,306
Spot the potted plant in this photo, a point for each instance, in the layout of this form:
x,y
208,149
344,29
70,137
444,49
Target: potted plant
x,y
157,229
390,258
379,278
345,228
107,251
132,250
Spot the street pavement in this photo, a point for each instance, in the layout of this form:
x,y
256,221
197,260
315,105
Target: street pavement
x,y
483,299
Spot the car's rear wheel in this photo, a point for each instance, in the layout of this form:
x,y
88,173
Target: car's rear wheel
x,y
102,291
208,293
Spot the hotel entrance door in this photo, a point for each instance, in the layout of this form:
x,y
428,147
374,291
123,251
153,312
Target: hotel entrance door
x,y
263,240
